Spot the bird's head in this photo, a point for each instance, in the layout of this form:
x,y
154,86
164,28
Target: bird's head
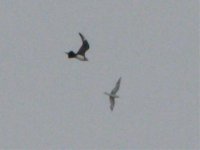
x,y
70,54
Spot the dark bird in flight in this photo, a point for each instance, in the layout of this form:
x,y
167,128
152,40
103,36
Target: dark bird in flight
x,y
113,95
80,55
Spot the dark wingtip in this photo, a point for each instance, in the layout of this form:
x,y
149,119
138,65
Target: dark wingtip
x,y
82,37
80,34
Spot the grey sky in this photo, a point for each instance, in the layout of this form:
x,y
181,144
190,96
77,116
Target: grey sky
x,y
48,101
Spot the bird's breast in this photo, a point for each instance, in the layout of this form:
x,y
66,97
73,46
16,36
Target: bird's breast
x,y
80,57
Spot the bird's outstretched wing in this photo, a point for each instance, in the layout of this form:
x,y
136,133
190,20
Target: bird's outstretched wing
x,y
116,88
84,47
112,103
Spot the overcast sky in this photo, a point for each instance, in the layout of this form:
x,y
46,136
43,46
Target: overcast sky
x,y
49,101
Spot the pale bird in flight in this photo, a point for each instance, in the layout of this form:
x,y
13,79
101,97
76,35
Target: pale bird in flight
x,y
113,95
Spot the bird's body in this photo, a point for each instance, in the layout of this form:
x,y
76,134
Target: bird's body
x,y
81,58
80,55
113,95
